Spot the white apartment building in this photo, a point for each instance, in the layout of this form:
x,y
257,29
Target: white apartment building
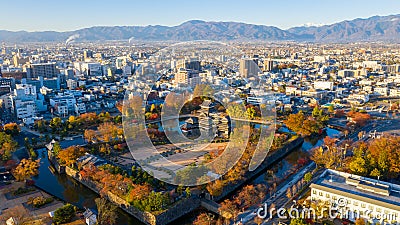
x,y
25,92
80,108
290,90
357,196
394,92
361,97
189,77
24,108
61,109
383,91
70,101
323,85
72,84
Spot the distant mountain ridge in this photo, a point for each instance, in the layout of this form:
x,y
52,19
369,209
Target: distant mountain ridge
x,y
376,28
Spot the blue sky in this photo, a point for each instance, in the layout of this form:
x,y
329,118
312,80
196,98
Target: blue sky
x,y
62,15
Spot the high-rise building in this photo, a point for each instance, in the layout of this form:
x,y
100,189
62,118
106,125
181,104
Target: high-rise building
x,y
3,50
268,65
192,64
248,68
87,54
46,70
189,77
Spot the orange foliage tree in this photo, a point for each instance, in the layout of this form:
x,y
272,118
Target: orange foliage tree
x,y
69,155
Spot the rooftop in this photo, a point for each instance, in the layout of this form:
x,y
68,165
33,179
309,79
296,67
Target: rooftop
x,y
360,188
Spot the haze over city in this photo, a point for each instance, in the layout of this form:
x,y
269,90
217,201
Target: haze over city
x,y
71,15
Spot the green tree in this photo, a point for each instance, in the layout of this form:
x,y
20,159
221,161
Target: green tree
x,y
188,192
308,177
106,212
7,146
56,148
55,123
64,214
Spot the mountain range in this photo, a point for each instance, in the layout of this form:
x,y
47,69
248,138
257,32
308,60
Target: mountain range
x,y
376,28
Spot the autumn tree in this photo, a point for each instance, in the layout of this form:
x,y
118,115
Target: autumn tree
x,y
89,135
251,195
139,192
258,220
69,155
205,219
108,130
360,221
358,118
289,193
12,129
339,113
215,188
359,163
107,214
229,209
26,169
298,221
303,125
55,123
329,158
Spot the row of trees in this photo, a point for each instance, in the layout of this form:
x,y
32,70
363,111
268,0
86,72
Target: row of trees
x,y
7,146
105,132
379,159
74,123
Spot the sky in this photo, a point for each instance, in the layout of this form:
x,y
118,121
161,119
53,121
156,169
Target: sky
x,y
66,15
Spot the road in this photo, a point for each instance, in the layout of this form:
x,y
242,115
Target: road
x,y
279,198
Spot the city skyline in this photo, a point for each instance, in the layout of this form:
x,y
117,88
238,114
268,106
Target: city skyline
x,y
47,15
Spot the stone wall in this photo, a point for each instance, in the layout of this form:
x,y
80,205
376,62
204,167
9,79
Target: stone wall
x,y
269,161
175,211
179,209
53,160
